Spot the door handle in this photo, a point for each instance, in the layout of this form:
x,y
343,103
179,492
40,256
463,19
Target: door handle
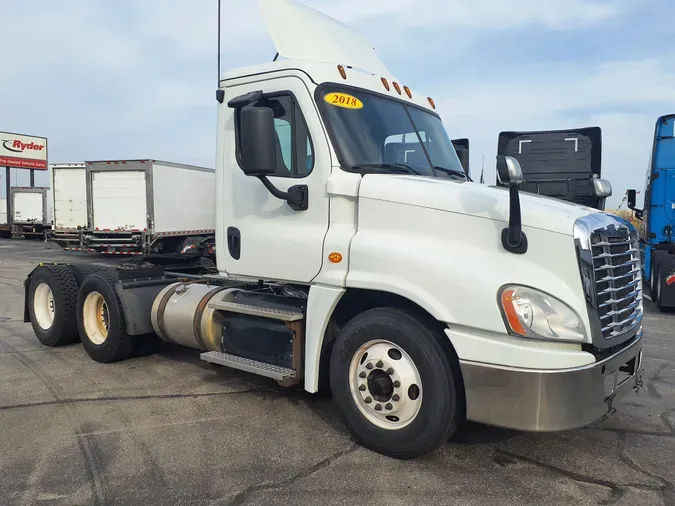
x,y
234,242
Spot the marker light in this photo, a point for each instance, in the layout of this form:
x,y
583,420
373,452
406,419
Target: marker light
x,y
397,87
530,313
407,91
431,101
342,71
385,83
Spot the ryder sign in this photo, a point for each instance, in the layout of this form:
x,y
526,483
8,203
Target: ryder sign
x,y
23,151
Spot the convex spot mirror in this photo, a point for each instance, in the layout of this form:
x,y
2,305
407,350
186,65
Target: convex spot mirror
x,y
602,188
509,171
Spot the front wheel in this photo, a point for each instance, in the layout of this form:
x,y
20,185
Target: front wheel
x,y
395,383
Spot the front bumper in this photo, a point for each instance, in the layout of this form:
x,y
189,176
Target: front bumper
x,y
550,400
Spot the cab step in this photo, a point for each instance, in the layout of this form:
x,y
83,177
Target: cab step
x,y
252,310
275,372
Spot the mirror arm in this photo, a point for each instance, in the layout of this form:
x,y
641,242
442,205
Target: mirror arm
x,y
513,238
297,196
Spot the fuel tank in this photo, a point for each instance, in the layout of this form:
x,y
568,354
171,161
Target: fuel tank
x,y
180,315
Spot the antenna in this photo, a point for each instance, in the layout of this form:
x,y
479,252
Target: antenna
x,y
219,43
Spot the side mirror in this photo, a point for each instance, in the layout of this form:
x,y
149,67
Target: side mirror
x,y
602,188
631,198
257,141
509,171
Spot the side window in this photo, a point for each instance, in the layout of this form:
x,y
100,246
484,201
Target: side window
x,y
295,154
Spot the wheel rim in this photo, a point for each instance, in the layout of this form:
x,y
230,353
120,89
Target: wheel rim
x,y
385,384
43,306
96,318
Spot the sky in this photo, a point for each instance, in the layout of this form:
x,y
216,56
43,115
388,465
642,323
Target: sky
x,y
126,79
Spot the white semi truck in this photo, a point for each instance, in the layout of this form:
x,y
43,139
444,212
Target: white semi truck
x,y
354,255
31,211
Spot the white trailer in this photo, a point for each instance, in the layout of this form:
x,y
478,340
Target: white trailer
x,y
5,228
69,190
354,253
147,206
31,212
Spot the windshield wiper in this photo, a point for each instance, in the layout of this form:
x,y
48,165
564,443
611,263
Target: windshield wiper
x,y
453,172
387,167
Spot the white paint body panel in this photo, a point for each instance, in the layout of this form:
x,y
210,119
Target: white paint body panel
x,y
69,187
183,199
28,207
119,200
300,32
3,211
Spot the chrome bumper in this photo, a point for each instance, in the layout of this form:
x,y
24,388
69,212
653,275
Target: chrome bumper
x,y
550,400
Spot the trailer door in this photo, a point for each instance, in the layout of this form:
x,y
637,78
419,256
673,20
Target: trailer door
x,y
28,207
119,200
70,198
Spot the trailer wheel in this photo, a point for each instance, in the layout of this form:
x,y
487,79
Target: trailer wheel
x,y
657,256
52,297
395,384
100,319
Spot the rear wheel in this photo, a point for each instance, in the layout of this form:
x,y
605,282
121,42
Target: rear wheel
x,y
52,298
666,266
395,383
100,319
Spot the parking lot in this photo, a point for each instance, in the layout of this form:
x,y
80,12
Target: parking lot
x,y
168,428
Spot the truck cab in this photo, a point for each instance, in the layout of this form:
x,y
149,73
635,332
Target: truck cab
x,y
354,256
657,216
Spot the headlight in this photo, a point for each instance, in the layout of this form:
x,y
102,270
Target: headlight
x,y
530,313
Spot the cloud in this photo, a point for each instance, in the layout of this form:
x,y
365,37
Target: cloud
x,y
624,98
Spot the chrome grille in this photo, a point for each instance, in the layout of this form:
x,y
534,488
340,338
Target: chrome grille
x,y
614,283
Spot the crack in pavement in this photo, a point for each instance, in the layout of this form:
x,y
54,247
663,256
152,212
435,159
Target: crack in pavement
x,y
653,377
240,497
616,491
128,398
617,430
666,490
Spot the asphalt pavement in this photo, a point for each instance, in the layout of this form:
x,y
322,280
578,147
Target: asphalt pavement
x,y
168,428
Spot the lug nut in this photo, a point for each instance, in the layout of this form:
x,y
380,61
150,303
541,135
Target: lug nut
x,y
390,371
388,406
378,407
367,400
362,374
369,365
362,388
395,398
397,383
379,363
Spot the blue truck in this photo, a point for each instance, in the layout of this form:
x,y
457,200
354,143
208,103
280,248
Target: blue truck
x,y
658,216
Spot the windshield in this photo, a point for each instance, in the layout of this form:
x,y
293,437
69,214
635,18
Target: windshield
x,y
371,130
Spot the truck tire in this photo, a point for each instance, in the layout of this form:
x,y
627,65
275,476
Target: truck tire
x,y
666,266
395,383
100,319
81,271
52,298
657,256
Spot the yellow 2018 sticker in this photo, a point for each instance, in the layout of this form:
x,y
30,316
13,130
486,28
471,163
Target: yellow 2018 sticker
x,y
343,100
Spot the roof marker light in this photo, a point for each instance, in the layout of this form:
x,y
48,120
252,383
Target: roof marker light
x,y
342,71
385,83
407,91
397,87
431,101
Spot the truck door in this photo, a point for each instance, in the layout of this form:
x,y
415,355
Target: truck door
x,y
263,236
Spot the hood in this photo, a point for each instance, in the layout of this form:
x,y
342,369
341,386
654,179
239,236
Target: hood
x,y
473,199
300,32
